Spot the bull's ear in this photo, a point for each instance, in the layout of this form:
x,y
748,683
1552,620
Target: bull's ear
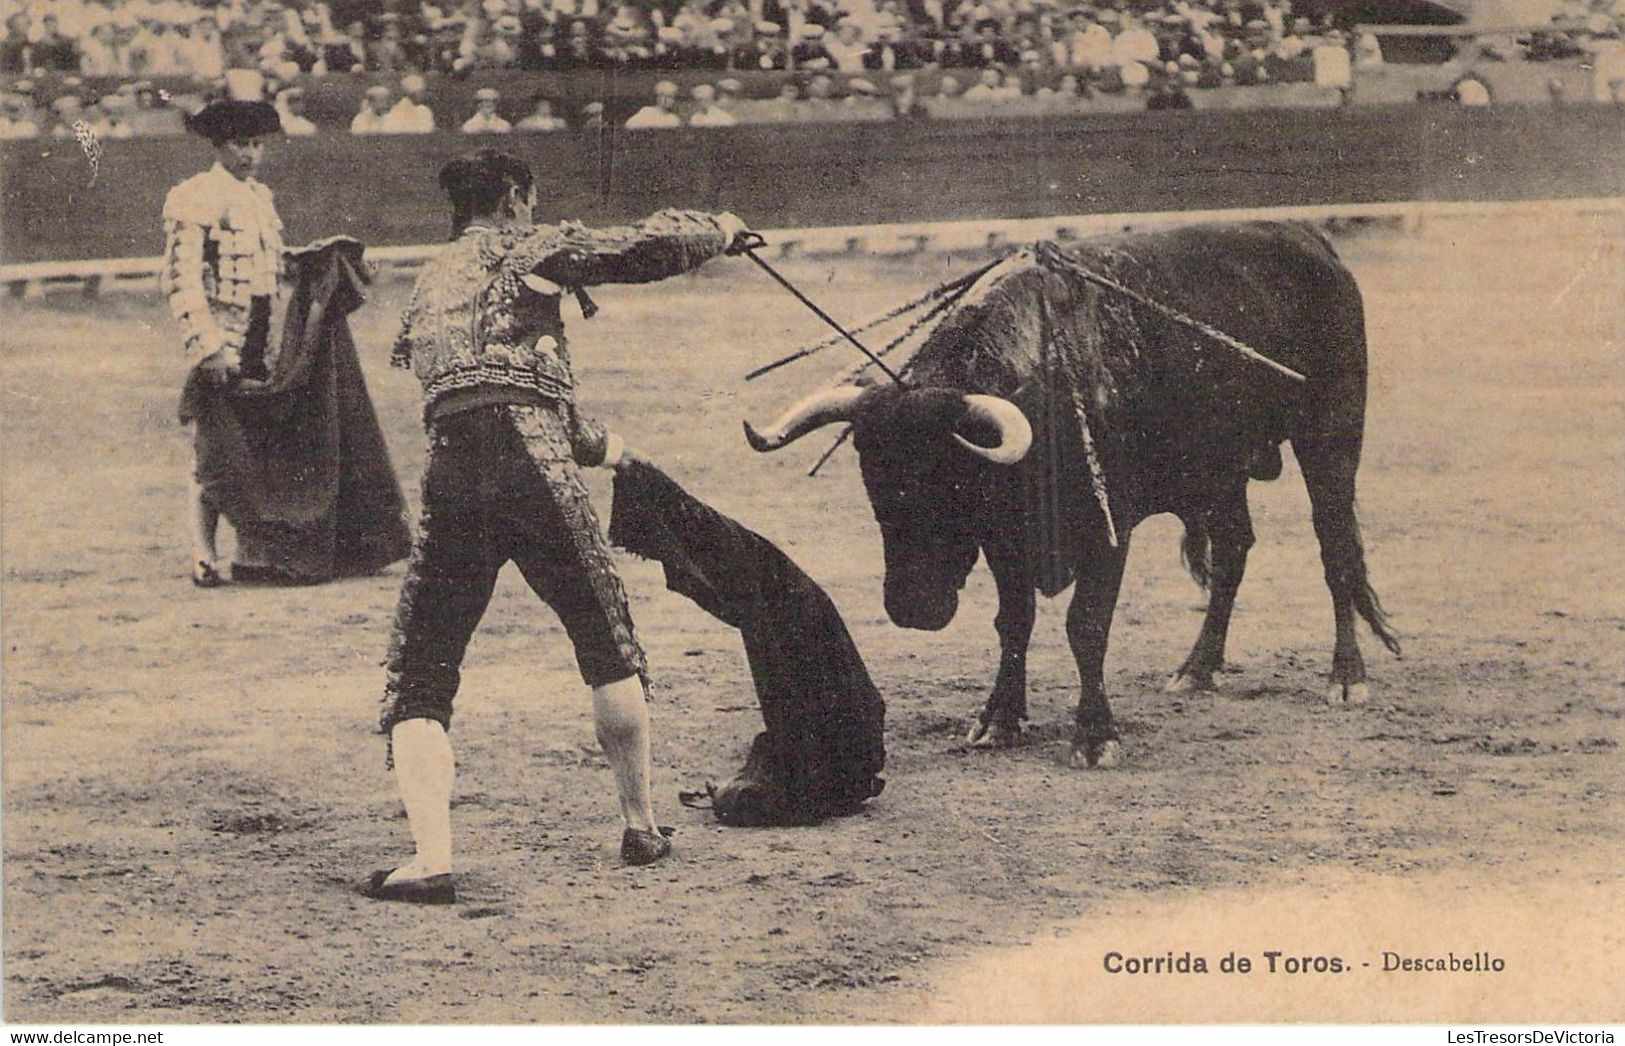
x,y
998,418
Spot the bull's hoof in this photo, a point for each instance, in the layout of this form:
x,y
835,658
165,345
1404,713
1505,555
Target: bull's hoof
x,y
1187,681
1097,755
993,735
1351,694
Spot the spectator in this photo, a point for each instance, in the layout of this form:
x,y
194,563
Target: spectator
x,y
374,115
1087,44
348,53
17,50
390,54
1068,91
1471,89
100,55
592,117
694,35
628,37
766,50
305,22
108,119
152,51
809,51
1134,45
905,100
707,113
728,90
17,118
207,57
991,89
863,101
279,45
783,108
411,115
1031,75
541,116
1367,53
820,101
151,117
68,110
662,114
1169,93
485,119
501,50
1134,75
53,51
290,109
1333,66
848,50
577,51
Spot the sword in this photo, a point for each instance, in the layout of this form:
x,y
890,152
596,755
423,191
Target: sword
x,y
749,251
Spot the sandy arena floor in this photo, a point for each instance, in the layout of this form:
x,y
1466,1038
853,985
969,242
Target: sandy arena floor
x,y
191,782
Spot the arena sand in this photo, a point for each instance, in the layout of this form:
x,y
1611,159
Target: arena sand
x,y
192,786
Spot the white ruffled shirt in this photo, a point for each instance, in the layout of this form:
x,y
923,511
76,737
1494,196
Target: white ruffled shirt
x,y
239,217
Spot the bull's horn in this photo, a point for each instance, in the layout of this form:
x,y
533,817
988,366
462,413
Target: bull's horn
x,y
1015,433
816,411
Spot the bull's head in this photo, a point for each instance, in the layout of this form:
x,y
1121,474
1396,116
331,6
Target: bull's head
x,y
924,453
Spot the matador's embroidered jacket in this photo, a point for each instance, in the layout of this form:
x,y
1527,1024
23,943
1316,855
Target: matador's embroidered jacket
x,y
222,249
486,311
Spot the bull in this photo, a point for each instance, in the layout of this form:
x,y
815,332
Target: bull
x,y
1047,414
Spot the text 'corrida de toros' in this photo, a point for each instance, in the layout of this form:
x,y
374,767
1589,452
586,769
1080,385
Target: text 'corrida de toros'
x,y
1282,962
1186,962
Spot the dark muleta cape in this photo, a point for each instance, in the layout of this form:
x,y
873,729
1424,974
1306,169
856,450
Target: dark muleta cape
x,y
823,745
297,462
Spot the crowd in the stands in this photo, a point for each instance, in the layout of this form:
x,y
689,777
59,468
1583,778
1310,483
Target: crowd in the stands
x,y
853,59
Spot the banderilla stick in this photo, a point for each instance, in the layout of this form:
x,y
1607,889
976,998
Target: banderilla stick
x,y
821,314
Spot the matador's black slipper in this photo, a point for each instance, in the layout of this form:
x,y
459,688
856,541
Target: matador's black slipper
x,y
205,575
641,847
436,889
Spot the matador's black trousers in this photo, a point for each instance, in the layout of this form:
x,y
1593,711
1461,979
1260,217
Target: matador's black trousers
x,y
501,486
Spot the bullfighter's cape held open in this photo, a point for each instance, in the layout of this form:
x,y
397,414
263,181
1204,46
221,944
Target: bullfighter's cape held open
x,y
823,745
297,462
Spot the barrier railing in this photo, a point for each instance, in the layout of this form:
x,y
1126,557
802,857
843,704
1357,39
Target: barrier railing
x,y
900,240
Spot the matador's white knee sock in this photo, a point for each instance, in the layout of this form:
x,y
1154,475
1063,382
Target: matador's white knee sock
x,y
621,715
424,771
204,519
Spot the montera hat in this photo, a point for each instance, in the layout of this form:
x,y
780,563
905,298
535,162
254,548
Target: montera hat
x,y
232,120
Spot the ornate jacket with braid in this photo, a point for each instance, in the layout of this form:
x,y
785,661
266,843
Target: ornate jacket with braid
x,y
222,248
486,311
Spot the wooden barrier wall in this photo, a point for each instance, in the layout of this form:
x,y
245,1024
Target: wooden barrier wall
x,y
382,190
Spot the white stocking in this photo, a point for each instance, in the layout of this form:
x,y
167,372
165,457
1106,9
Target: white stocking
x,y
204,519
424,770
621,716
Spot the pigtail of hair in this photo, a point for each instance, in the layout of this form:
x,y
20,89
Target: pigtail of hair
x,y
456,179
460,217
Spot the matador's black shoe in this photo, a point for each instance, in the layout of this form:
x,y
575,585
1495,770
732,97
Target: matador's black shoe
x,y
641,847
436,889
206,575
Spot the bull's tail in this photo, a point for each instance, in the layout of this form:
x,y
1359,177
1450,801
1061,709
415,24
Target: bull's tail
x,y
1196,550
1366,603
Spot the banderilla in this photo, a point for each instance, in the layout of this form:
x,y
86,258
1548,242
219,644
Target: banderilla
x,y
749,251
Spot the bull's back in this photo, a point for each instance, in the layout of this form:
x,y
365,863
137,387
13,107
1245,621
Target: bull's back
x,y
1276,286
1191,409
